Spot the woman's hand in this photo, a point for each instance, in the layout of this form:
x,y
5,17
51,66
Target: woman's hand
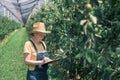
x,y
46,59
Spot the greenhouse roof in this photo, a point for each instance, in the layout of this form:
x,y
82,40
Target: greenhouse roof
x,y
22,9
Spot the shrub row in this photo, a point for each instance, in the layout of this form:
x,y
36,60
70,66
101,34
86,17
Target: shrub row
x,y
7,26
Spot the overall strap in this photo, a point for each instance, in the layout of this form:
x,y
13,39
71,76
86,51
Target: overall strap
x,y
34,46
43,44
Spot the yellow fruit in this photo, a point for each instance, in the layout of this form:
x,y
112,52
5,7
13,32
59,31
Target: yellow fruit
x,y
88,5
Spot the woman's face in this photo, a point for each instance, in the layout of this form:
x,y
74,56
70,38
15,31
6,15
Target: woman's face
x,y
39,36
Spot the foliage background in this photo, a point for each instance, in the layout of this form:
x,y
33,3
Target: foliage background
x,y
87,32
7,26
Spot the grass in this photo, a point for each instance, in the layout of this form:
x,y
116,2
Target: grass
x,y
11,56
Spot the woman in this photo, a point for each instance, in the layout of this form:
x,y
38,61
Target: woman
x,y
35,53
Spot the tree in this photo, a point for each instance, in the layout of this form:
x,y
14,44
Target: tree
x,y
86,35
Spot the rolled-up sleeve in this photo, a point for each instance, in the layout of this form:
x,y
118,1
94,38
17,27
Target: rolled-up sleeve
x,y
27,47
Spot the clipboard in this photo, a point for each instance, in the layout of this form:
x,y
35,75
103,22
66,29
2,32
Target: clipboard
x,y
54,60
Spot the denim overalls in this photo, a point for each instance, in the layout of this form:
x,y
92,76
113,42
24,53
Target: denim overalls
x,y
40,71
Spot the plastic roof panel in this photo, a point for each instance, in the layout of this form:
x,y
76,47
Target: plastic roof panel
x,y
21,9
28,2
12,9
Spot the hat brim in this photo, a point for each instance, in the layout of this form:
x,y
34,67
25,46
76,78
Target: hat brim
x,y
32,32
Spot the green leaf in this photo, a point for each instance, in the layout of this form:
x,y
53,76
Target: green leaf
x,y
78,56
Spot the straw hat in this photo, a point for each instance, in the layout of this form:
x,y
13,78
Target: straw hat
x,y
39,27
